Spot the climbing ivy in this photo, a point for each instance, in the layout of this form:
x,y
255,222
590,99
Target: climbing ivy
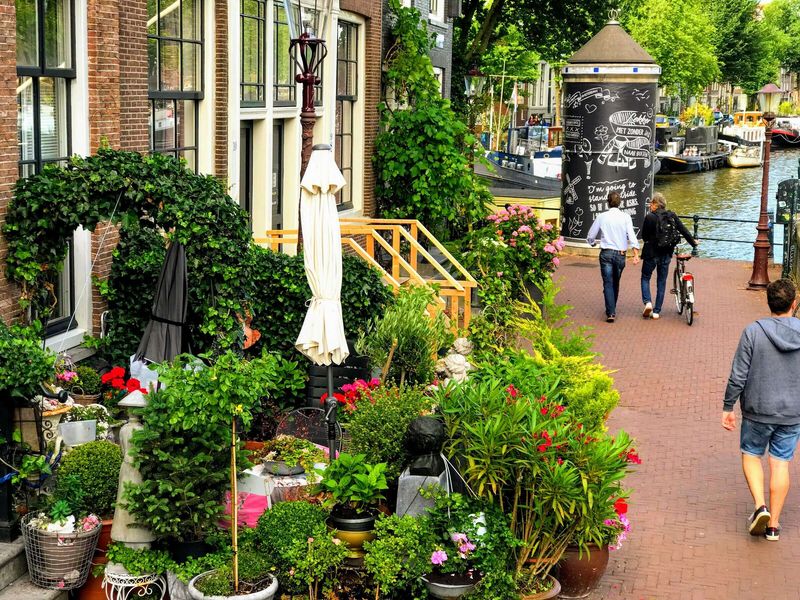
x,y
131,188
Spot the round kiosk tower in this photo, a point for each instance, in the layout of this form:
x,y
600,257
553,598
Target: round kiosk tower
x,y
610,95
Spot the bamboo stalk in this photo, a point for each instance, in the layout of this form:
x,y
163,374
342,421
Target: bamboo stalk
x,y
234,509
385,371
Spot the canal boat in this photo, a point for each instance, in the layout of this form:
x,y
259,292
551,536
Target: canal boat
x,y
786,133
516,171
745,139
698,151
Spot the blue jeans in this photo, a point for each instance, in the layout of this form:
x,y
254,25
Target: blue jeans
x,y
659,264
612,263
756,437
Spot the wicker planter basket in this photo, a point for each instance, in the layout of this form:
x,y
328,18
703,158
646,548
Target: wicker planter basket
x,y
58,560
85,399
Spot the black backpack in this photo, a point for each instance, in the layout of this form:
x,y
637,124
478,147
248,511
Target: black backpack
x,y
667,234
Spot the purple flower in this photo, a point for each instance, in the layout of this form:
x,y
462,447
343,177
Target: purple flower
x,y
439,557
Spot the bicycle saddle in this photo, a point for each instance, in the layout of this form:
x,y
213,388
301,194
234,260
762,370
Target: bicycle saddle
x,y
683,256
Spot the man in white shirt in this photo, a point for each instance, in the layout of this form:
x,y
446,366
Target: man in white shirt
x,y
614,230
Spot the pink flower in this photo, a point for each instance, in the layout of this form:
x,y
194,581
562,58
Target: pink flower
x,y
556,262
60,585
459,538
67,375
499,273
337,541
547,226
310,540
550,248
439,557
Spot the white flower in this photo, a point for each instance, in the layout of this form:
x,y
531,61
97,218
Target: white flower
x,y
65,526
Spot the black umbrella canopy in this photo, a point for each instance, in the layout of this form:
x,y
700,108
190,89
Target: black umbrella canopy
x,y
162,337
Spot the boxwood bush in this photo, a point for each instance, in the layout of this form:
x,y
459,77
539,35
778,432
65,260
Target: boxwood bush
x,y
96,467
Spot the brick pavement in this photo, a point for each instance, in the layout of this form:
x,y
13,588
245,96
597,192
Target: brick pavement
x,y
689,503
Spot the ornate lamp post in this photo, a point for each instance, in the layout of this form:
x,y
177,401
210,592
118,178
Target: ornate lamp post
x,y
768,98
474,81
308,51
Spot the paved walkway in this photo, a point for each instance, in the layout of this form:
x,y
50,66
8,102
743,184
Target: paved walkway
x,y
689,504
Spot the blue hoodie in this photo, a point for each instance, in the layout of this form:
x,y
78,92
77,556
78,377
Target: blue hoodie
x,y
765,374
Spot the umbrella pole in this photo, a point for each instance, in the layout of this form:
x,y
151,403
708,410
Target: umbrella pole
x,y
330,416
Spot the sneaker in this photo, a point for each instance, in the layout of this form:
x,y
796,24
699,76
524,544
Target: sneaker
x,y
655,316
758,521
610,318
773,534
648,310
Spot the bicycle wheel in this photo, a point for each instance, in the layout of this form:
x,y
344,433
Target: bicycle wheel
x,y
689,312
677,289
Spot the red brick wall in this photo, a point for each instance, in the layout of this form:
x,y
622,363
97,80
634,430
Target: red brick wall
x,y
9,294
134,110
371,10
221,89
104,93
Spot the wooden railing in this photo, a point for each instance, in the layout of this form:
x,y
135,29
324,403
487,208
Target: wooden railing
x,y
399,239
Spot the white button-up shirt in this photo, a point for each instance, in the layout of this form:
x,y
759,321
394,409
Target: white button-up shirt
x,y
614,230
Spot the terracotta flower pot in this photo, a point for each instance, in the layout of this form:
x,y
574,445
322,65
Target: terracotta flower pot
x,y
554,590
580,575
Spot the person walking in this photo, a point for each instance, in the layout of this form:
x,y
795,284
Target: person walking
x,y
661,232
614,230
764,378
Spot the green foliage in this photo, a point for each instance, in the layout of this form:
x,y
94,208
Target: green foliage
x,y
293,451
399,555
378,427
96,465
354,483
60,510
86,382
24,364
781,24
680,36
697,114
421,170
316,565
183,449
140,562
254,572
416,337
787,109
279,292
32,466
129,187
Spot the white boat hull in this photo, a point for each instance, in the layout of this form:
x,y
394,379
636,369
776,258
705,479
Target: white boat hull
x,y
741,162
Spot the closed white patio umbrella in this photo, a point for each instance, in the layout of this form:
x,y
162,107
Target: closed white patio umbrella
x,y
322,337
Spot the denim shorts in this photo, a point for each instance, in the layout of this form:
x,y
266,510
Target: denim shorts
x,y
781,439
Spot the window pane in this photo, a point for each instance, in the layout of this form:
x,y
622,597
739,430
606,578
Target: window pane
x,y
169,58
251,51
186,122
191,66
57,41
191,19
164,128
191,158
27,39
283,59
53,117
170,18
152,64
152,9
25,131
63,291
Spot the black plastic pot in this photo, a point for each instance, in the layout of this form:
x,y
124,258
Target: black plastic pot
x,y
181,551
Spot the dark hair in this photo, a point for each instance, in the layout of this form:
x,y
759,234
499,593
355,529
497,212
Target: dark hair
x,y
780,295
613,199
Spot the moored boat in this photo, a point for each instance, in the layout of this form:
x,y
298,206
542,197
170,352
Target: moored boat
x,y
698,151
518,171
746,140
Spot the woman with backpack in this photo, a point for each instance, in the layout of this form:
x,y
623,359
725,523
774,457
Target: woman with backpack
x,y
661,232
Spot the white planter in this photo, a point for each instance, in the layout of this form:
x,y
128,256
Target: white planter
x,y
177,589
265,594
75,433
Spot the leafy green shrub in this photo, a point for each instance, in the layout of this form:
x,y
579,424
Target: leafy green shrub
x,y
24,364
354,485
87,381
254,570
96,465
415,336
399,555
279,292
183,449
378,427
422,172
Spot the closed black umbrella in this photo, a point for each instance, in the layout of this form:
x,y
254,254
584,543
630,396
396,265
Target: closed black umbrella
x,y
163,335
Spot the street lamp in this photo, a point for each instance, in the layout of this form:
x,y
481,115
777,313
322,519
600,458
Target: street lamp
x,y
768,98
308,50
474,81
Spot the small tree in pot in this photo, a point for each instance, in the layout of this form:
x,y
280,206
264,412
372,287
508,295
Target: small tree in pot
x,y
355,489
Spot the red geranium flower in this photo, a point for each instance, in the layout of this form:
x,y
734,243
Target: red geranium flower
x,y
115,373
620,506
118,383
133,385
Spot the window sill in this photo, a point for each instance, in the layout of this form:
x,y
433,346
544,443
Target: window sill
x,y
65,341
350,211
435,20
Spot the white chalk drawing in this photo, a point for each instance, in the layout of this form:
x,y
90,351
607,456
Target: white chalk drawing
x,y
598,93
641,94
573,128
590,108
589,169
575,223
631,141
584,150
569,189
601,134
648,181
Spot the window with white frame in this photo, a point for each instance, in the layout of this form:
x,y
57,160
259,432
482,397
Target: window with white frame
x,y
346,101
436,10
253,17
438,72
284,86
45,75
175,86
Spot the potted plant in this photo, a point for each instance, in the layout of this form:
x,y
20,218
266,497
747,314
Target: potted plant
x,y
355,488
289,455
59,546
82,383
76,428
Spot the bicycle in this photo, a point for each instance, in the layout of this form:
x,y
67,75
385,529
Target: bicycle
x,y
683,287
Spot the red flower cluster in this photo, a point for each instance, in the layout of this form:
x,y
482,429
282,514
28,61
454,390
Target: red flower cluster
x,y
620,506
116,379
547,442
353,393
632,457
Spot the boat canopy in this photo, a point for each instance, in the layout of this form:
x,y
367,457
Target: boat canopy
x,y
748,118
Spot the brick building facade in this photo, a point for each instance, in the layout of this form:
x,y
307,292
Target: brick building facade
x,y
210,81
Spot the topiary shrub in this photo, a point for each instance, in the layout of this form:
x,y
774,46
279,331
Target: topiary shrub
x,y
279,291
96,466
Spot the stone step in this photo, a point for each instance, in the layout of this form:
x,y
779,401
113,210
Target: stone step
x,y
12,563
23,589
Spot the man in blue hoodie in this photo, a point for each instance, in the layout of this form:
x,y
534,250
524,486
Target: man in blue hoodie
x,y
764,376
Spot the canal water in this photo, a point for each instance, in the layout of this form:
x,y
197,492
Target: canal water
x,y
731,194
